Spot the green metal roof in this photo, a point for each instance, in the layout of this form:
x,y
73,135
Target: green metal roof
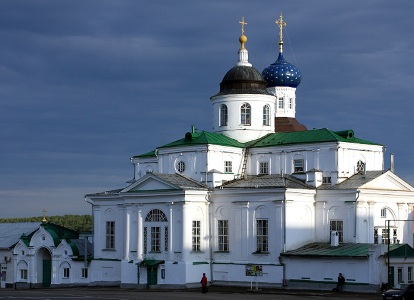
x,y
326,250
401,250
309,136
205,138
272,139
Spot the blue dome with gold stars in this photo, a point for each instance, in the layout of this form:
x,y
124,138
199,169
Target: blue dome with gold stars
x,y
282,73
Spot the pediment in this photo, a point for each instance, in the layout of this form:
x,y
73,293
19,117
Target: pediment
x,y
388,181
150,182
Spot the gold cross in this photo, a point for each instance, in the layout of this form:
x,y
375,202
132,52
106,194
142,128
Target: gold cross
x,y
243,23
281,24
44,216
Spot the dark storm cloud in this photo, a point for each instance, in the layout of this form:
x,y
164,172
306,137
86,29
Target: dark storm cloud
x,y
84,85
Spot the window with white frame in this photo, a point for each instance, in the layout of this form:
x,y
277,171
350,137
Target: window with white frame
x,y
66,272
298,165
266,115
84,272
223,115
376,237
262,235
263,168
155,231
410,274
196,236
228,166
223,235
180,166
281,103
326,178
400,276
291,103
337,225
155,239
383,212
23,274
110,235
245,114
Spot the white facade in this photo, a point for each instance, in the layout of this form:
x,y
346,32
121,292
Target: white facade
x,y
217,203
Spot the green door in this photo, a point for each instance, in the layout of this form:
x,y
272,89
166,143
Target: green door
x,y
47,272
390,277
152,275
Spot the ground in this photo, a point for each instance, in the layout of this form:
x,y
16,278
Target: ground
x,y
109,293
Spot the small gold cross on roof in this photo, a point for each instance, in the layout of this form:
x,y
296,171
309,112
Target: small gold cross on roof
x,y
280,23
243,23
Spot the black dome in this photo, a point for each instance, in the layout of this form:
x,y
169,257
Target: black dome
x,y
243,80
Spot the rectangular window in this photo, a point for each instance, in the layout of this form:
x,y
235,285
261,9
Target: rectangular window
x,y
196,234
263,168
298,166
228,166
110,235
383,212
337,225
166,238
84,272
410,274
326,180
291,103
66,272
155,239
223,235
23,274
376,238
266,115
262,235
281,103
384,236
400,275
145,239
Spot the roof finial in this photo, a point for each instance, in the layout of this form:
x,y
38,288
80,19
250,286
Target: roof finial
x,y
280,23
243,38
44,216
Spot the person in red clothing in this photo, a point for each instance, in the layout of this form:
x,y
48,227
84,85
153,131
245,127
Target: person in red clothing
x,y
203,282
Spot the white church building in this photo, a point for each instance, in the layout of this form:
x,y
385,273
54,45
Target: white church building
x,y
259,195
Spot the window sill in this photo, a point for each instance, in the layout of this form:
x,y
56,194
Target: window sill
x,y
219,251
156,252
197,252
109,249
261,253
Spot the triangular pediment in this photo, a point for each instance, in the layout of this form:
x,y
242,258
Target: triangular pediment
x,y
388,181
150,182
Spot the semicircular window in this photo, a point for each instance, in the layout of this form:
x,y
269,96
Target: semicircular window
x,y
156,215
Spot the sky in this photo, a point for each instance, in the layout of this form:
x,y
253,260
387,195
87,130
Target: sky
x,y
85,85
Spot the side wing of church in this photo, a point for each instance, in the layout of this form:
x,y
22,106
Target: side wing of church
x,y
260,192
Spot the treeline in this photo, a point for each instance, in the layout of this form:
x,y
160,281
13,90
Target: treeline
x,y
79,223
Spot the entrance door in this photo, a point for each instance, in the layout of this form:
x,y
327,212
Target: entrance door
x,y
152,275
47,272
390,277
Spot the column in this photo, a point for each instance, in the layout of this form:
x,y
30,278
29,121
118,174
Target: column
x,y
186,233
127,231
246,234
170,233
140,233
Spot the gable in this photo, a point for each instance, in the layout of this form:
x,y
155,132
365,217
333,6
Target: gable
x,y
388,181
150,184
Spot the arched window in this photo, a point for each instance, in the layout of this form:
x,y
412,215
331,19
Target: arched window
x,y
266,115
156,215
223,115
246,114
